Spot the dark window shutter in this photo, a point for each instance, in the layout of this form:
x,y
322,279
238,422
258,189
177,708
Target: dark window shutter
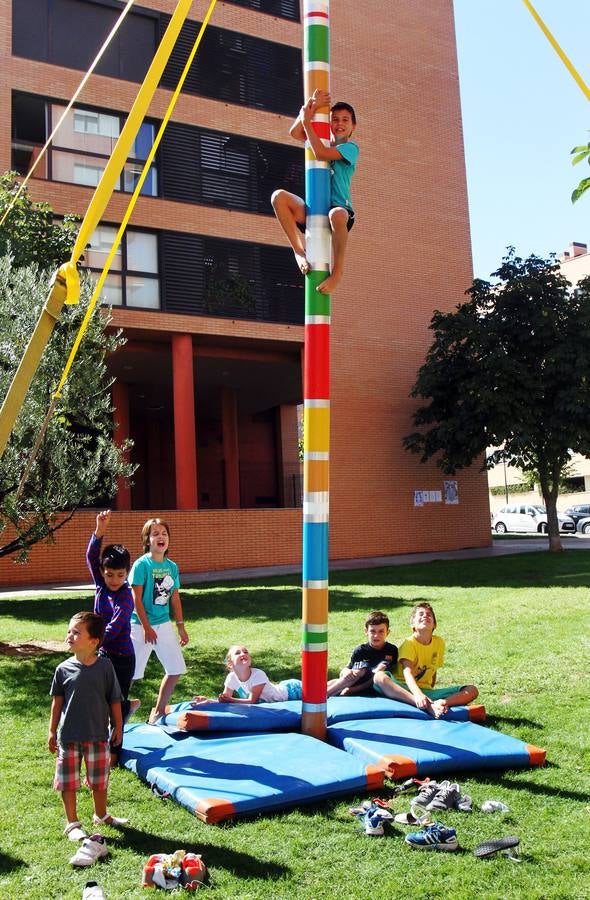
x,y
30,29
70,32
237,68
283,9
221,169
204,275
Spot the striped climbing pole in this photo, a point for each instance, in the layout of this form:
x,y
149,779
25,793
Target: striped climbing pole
x,y
316,384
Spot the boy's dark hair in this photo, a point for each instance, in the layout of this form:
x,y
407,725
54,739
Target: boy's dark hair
x,y
93,622
377,618
145,532
115,556
422,605
347,107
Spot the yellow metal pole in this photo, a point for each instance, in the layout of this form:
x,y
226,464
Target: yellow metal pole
x,y
32,355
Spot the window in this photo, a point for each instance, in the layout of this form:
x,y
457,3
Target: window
x,y
70,32
85,141
209,276
228,170
237,68
133,279
284,9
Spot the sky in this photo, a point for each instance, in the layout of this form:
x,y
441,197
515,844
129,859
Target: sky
x,y
522,114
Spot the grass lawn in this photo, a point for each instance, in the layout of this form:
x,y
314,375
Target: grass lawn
x,y
516,626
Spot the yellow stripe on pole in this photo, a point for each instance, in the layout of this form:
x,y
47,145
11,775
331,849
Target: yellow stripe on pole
x,y
120,154
564,58
77,93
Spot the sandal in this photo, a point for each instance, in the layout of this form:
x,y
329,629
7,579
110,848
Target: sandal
x,y
74,832
488,848
107,819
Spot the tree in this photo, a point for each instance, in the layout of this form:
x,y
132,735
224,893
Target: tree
x,y
78,462
30,233
510,368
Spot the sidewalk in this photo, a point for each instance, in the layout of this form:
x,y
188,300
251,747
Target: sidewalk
x,y
504,547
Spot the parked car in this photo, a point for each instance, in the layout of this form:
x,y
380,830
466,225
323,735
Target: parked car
x,y
525,517
583,525
578,512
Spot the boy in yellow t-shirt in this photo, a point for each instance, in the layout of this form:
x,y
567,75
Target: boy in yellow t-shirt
x,y
419,658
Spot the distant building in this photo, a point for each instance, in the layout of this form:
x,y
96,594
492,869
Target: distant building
x,y
207,292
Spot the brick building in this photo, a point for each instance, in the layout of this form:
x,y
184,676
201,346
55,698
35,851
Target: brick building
x,y
208,294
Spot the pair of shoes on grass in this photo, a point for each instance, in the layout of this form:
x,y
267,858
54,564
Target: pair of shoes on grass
x,y
434,797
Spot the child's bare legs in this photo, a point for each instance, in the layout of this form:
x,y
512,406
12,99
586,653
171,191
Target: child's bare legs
x,y
290,211
70,808
461,698
343,683
339,226
99,798
391,689
167,686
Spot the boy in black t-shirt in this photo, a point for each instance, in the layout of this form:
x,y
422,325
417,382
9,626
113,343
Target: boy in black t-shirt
x,y
376,655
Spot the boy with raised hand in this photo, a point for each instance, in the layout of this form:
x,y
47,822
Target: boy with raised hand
x,y
342,155
420,657
113,600
86,695
377,654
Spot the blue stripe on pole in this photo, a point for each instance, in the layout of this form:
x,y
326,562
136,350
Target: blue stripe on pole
x,y
315,551
317,191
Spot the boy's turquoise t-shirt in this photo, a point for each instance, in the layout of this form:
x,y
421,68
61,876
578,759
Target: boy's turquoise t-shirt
x,y
159,581
342,171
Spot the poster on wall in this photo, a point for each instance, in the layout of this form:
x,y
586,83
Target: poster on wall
x,y
451,491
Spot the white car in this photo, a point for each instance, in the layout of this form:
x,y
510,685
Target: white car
x,y
525,517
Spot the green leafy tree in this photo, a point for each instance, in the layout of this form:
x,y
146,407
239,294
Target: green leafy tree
x,y
510,368
30,233
77,463
580,154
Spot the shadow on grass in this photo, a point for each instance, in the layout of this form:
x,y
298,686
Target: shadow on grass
x,y
238,863
493,720
10,863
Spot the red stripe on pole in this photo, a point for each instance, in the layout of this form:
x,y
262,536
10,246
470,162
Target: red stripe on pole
x,y
313,675
317,362
310,15
322,129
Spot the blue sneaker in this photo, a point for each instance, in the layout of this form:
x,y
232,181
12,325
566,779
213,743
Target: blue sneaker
x,y
434,837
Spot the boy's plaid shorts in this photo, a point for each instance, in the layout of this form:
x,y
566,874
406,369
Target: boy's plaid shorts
x,y
96,755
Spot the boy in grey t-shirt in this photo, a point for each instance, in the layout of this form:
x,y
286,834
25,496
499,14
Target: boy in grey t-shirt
x,y
86,696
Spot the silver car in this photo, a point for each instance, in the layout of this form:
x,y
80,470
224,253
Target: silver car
x,y
526,517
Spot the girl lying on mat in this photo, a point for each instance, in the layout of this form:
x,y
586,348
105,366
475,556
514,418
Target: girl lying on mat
x,y
245,684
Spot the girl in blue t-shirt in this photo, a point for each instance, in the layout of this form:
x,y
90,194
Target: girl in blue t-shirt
x,y
155,582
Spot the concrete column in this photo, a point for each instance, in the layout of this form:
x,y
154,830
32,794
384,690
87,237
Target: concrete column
x,y
121,433
185,444
231,451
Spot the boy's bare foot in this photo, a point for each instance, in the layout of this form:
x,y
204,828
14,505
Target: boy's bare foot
x,y
439,708
329,285
302,262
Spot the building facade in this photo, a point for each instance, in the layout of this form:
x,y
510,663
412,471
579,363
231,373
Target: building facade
x,y
207,292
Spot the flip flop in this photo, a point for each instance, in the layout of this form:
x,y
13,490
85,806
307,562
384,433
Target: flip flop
x,y
74,831
488,848
108,819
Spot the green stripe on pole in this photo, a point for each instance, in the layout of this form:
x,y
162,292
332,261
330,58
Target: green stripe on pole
x,y
318,43
316,304
314,637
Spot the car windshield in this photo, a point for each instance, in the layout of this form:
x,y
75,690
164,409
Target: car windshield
x,y
541,509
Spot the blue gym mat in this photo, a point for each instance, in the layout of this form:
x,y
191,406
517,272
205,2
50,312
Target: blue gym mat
x,y
404,747
217,778
286,715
